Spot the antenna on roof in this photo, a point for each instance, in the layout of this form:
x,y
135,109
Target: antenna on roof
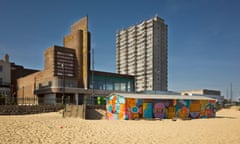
x,y
231,95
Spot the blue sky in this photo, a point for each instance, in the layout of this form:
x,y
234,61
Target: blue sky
x,y
203,36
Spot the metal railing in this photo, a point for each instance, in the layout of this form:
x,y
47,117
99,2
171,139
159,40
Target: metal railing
x,y
19,106
28,109
30,101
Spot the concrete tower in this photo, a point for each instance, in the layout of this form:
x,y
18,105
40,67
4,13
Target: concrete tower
x,y
141,50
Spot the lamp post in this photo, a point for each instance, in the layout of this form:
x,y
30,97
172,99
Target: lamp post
x,y
63,88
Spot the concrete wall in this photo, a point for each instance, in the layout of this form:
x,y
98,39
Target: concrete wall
x,y
77,111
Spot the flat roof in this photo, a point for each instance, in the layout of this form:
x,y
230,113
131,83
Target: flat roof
x,y
162,96
102,73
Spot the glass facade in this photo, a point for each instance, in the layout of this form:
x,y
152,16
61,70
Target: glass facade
x,y
111,82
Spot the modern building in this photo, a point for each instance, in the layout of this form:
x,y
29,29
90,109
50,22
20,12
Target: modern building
x,y
67,77
111,81
141,51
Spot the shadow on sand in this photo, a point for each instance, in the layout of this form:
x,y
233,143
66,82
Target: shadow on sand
x,y
226,117
95,114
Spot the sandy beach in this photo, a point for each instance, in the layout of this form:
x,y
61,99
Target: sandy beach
x,y
52,128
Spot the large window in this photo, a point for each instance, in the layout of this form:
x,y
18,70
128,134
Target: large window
x,y
109,86
1,68
100,85
117,86
112,83
123,86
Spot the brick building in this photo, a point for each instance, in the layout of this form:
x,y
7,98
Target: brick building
x,y
67,75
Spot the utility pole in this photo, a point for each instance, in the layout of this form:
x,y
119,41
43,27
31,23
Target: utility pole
x,y
231,93
227,93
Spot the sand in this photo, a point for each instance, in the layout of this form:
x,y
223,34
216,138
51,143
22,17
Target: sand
x,y
52,128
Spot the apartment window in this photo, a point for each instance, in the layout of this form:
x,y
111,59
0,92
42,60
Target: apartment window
x,y
1,68
1,80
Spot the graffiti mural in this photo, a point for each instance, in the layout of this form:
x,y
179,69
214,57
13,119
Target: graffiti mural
x,y
208,109
115,106
119,107
147,110
182,108
195,108
170,112
159,110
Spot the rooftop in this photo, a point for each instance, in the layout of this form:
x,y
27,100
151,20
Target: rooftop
x,y
161,96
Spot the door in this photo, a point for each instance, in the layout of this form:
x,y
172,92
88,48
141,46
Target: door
x,y
147,110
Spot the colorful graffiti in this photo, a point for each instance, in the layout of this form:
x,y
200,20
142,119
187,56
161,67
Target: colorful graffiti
x,y
208,109
195,109
159,110
147,110
119,107
182,108
133,109
170,112
115,106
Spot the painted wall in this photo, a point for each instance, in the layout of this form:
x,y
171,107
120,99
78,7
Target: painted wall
x,y
121,108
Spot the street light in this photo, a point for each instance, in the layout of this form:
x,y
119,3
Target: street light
x,y
63,87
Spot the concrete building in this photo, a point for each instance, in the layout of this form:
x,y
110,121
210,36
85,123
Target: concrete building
x,y
141,51
67,75
215,94
5,77
202,92
9,73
